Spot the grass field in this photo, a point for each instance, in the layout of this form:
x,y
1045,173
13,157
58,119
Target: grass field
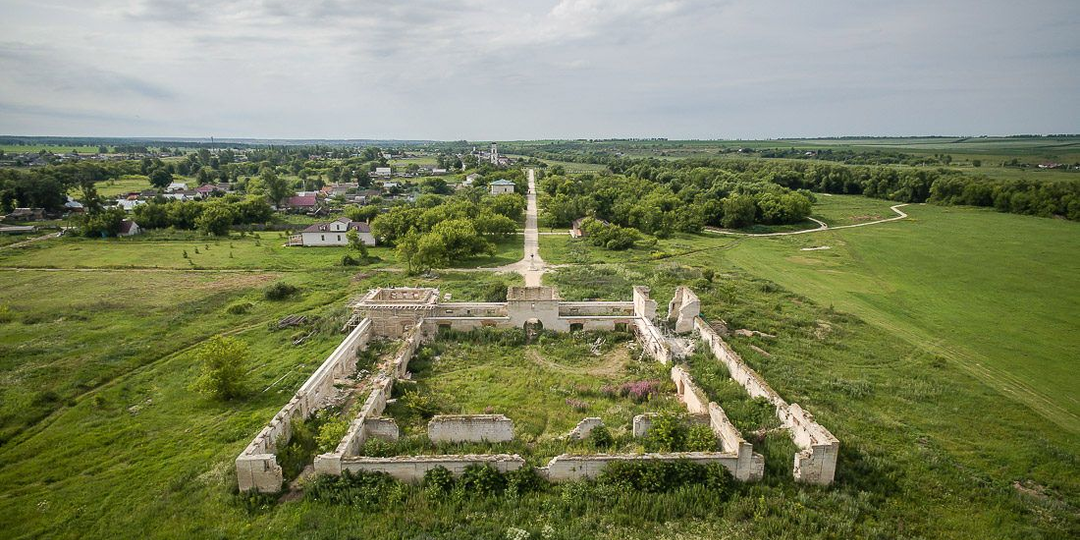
x,y
124,184
532,383
996,293
913,342
166,249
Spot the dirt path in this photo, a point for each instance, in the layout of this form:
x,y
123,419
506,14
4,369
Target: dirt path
x,y
531,266
608,365
822,226
29,241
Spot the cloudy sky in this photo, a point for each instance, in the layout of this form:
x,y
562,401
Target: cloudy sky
x,y
476,69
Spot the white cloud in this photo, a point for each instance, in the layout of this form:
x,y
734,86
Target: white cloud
x,y
537,68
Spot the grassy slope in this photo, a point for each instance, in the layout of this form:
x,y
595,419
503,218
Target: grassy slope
x,y
166,250
995,292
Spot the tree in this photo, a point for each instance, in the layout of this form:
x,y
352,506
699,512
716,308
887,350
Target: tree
x,y
224,370
216,218
494,225
356,242
102,223
739,211
160,178
277,188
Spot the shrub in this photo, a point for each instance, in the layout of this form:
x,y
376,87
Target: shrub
x,y
280,291
296,452
438,480
362,490
239,308
601,438
483,480
376,447
5,314
524,480
224,373
700,438
330,434
348,260
667,434
577,404
639,391
665,476
495,291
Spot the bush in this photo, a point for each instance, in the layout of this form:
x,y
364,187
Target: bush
x,y
280,291
483,480
224,370
495,291
524,480
376,447
700,438
362,490
348,260
665,476
296,452
5,314
601,438
330,434
667,434
239,308
439,480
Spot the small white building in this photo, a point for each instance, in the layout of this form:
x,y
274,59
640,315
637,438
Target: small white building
x,y
334,233
471,179
383,172
129,228
501,186
176,186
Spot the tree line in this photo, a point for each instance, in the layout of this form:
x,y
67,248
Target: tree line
x,y
655,205
909,185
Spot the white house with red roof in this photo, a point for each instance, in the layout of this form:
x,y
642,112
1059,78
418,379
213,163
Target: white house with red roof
x,y
334,233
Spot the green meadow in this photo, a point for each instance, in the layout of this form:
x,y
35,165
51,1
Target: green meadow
x,y
938,349
996,293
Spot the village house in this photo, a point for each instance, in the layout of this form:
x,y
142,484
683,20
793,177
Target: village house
x,y
129,228
334,233
176,186
26,214
501,186
470,179
302,203
384,172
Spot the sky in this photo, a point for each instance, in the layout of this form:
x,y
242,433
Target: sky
x,y
503,70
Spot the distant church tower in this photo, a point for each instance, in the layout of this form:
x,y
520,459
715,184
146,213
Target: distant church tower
x,y
494,154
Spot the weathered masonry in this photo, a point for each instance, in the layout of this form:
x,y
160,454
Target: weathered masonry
x,y
413,315
818,448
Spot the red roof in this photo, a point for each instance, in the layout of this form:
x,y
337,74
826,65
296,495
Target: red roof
x,y
301,200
